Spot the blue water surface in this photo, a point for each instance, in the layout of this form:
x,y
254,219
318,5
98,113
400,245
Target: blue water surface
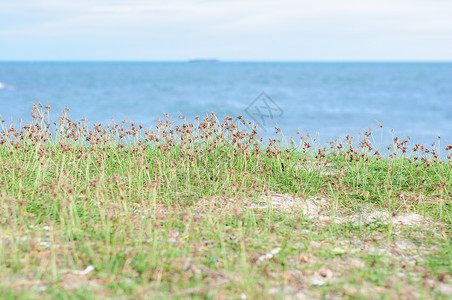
x,y
328,100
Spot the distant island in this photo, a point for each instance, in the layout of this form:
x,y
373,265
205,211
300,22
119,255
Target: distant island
x,y
197,60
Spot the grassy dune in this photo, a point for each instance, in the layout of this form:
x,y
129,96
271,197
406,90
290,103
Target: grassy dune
x,y
209,210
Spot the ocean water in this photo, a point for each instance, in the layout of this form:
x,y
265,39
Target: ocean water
x,y
328,100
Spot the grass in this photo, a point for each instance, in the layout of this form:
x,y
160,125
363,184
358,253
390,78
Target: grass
x,y
210,210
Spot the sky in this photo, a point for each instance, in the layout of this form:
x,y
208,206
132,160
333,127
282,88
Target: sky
x,y
253,30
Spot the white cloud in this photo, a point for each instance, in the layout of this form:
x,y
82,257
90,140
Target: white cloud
x,y
232,16
248,22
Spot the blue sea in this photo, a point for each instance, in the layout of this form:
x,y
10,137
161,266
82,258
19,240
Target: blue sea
x,y
327,99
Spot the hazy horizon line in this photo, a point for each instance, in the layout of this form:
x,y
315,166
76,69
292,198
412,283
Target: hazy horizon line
x,y
220,61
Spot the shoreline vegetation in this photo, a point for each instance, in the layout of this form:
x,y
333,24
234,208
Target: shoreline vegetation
x,y
210,210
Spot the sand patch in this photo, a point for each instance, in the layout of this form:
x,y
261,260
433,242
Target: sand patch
x,y
311,207
321,167
319,208
384,218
